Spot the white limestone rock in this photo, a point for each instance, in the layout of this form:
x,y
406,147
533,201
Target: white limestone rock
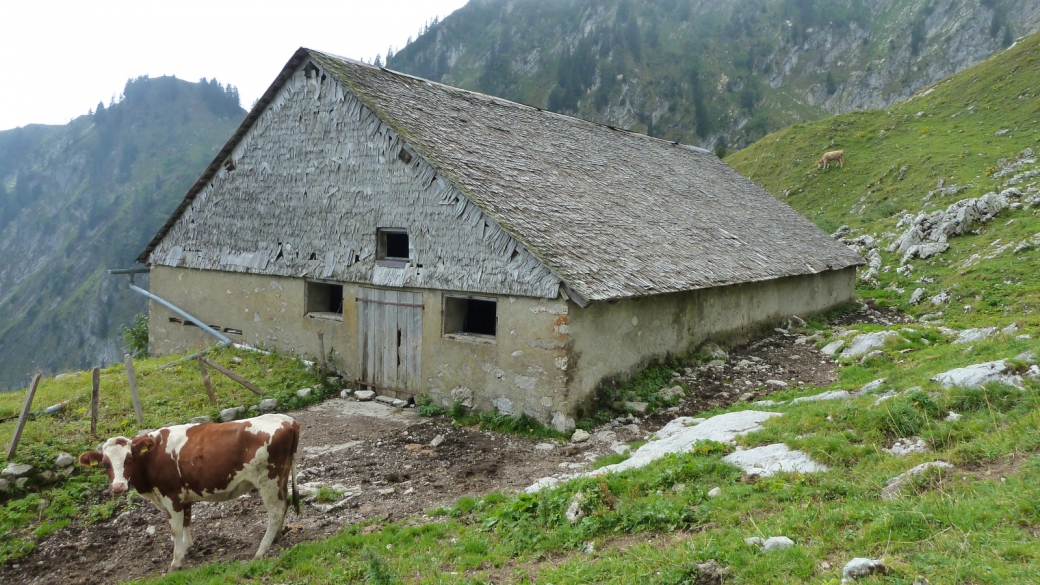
x,y
304,392
974,335
771,459
715,492
64,460
909,446
16,470
462,395
438,441
776,383
917,296
833,347
869,387
574,512
711,350
860,567
976,375
867,342
670,393
897,483
832,395
364,395
230,414
777,543
636,407
580,436
562,423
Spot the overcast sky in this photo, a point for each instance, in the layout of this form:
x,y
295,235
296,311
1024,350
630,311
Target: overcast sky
x,y
58,59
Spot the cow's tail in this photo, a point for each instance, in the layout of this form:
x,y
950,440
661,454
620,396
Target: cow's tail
x,y
292,471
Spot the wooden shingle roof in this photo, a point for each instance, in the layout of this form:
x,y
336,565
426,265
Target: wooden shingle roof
x,y
613,213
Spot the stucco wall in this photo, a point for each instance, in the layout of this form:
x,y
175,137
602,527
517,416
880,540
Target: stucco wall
x,y
549,355
617,338
526,364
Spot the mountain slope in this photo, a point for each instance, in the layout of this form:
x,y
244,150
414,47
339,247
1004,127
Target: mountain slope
x,y
710,72
80,198
973,134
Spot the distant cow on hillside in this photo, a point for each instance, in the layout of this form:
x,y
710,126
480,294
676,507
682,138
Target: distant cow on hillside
x,y
212,462
829,157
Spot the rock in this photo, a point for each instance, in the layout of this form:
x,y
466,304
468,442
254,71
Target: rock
x,y
867,342
670,393
590,547
620,448
580,436
877,354
904,447
561,423
973,335
754,541
860,567
1033,373
832,395
387,400
941,298
64,460
776,383
777,543
304,392
953,416
386,491
201,419
345,393
715,492
574,513
767,403
637,407
230,414
462,395
606,436
398,403
1026,356
4,486
437,441
544,447
916,297
896,484
150,531
16,470
47,477
711,573
869,387
976,375
267,405
711,350
503,405
364,395
770,459
833,347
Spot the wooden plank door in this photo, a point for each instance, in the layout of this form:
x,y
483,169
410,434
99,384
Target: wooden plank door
x,y
390,340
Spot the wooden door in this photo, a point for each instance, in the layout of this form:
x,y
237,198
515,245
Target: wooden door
x,y
390,340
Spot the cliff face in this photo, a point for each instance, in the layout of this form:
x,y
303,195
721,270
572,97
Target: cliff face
x,y
711,72
78,199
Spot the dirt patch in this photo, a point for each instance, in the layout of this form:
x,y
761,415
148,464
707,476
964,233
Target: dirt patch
x,y
870,312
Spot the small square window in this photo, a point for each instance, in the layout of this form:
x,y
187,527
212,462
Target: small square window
x,y
324,297
392,244
470,316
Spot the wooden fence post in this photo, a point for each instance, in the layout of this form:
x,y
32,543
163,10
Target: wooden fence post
x,y
24,416
233,376
95,394
207,382
131,376
323,368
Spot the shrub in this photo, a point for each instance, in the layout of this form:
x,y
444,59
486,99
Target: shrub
x,y
135,336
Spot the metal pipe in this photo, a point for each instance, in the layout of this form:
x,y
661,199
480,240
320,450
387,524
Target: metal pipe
x,y
224,340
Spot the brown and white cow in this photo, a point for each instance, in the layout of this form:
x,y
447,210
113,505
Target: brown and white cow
x,y
832,156
211,462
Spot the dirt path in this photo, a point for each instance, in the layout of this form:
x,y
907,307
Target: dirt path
x,y
382,461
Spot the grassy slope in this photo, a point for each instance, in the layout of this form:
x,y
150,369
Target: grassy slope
x,y
976,524
948,132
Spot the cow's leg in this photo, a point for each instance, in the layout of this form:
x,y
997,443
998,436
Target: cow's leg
x,y
177,525
187,527
274,498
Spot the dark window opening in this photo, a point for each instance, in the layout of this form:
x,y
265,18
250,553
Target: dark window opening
x,y
464,315
405,156
324,297
392,244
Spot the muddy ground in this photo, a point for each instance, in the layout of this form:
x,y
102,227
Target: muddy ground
x,y
381,459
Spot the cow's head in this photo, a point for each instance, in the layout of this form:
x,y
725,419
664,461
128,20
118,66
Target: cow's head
x,y
118,455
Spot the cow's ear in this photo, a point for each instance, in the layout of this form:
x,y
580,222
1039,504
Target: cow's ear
x,y
142,445
91,458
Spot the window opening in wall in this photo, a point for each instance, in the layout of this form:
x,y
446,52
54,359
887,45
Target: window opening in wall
x,y
324,298
468,316
391,244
